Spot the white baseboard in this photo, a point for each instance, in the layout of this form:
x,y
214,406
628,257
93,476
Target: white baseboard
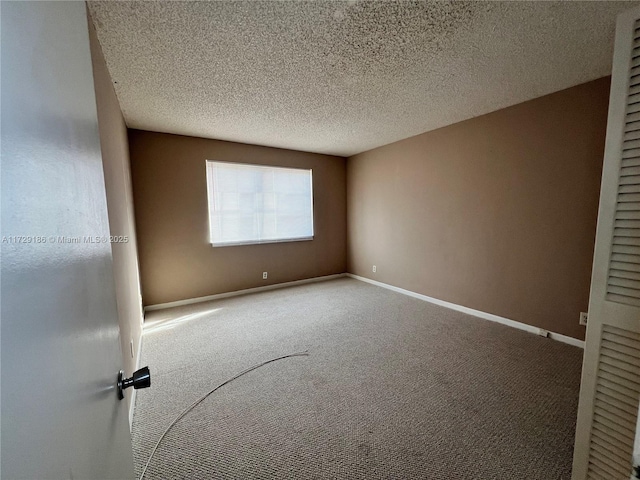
x,y
476,313
218,296
566,339
132,401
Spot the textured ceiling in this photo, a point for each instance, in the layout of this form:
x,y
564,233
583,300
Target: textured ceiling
x,y
342,77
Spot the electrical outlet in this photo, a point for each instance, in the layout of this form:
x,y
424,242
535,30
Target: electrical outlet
x,y
374,269
264,275
131,347
543,333
583,318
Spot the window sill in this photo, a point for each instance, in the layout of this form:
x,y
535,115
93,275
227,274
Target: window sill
x,y
261,242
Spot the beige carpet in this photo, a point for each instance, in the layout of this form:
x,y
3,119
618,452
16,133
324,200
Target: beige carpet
x,y
394,387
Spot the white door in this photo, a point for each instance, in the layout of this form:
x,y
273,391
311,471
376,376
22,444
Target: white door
x,y
61,417
608,410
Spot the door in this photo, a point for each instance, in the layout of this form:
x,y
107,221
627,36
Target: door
x,y
608,409
61,417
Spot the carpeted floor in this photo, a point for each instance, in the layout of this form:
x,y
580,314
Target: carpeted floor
x,y
393,388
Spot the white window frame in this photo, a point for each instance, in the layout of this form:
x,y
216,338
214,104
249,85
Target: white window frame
x,y
210,193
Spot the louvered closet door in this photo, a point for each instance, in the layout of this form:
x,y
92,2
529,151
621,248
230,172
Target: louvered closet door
x,y
610,390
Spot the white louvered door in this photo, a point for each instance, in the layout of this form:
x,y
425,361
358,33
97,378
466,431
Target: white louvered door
x,y
610,390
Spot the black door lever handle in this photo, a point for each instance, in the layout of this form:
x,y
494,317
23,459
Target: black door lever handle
x,y
140,379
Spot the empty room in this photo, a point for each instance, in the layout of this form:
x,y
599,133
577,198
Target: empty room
x,y
350,239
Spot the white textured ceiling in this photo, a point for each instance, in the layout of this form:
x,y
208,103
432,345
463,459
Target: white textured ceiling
x,y
342,77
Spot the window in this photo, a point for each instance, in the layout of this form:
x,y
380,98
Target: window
x,y
258,204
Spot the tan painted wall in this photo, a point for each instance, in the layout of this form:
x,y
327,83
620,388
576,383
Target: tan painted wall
x,y
170,192
497,213
117,177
